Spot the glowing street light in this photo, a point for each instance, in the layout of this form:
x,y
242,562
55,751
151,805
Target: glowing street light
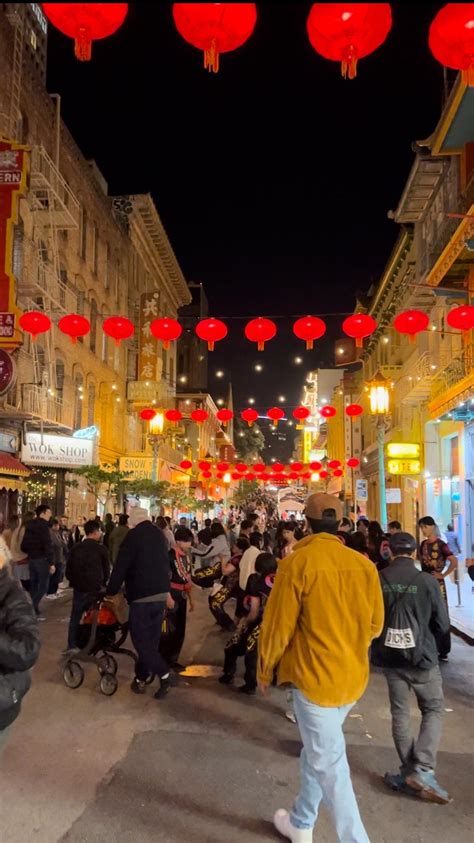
x,y
258,367
379,397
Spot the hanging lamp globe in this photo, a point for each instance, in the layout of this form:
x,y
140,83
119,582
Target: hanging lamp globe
x,y
249,415
260,330
358,326
451,38
119,328
346,32
167,330
211,331
309,329
86,22
461,318
276,414
35,322
411,322
215,28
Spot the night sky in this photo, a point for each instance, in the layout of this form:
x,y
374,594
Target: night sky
x,y
273,178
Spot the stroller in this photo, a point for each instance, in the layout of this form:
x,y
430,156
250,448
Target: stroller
x,y
100,635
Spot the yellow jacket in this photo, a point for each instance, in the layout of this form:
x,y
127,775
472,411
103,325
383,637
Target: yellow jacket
x,y
325,608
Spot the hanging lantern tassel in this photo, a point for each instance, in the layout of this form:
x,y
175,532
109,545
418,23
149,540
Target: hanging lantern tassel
x,y
83,45
211,58
349,67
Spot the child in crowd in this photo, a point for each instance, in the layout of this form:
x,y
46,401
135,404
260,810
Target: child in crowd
x,y
244,642
229,587
174,628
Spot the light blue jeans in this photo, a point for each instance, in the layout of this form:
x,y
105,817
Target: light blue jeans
x,y
325,774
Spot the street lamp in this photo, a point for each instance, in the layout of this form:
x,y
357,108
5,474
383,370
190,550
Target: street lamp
x,y
226,480
379,397
155,438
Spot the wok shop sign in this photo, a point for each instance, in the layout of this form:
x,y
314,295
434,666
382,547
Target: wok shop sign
x,y
57,451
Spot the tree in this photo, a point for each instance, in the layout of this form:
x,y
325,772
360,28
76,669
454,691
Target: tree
x,y
243,491
104,482
250,442
156,489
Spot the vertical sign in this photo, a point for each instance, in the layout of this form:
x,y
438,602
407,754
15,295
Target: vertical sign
x,y
148,344
13,163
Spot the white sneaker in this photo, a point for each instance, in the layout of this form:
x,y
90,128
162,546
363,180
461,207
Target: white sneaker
x,y
290,715
282,823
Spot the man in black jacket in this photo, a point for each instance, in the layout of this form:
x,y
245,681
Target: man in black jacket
x,y
37,544
143,564
409,655
87,570
19,647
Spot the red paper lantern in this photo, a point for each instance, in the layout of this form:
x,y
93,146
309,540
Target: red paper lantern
x,y
199,416
309,329
35,322
173,416
334,463
148,414
306,475
250,476
346,32
354,410
327,411
278,467
166,330
74,326
207,474
204,465
224,415
315,466
241,466
301,413
223,467
296,466
276,414
119,328
265,476
186,464
358,326
461,318
249,415
323,475
236,476
220,475
260,330
451,38
353,462
86,22
411,322
215,27
338,472
258,468
293,475
211,331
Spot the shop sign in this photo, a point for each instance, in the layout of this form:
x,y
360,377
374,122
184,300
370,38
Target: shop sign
x,y
437,488
404,450
7,371
148,351
404,466
86,432
57,451
7,325
140,468
393,495
13,166
8,443
362,490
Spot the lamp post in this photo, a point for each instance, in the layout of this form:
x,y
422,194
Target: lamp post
x,y
226,481
379,407
156,438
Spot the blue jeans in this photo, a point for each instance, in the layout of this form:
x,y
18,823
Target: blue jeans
x,y
39,578
325,774
80,602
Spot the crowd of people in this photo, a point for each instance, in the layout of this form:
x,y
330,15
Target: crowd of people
x,y
303,603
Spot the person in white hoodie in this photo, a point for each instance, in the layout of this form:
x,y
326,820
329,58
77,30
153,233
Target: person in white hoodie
x,y
247,563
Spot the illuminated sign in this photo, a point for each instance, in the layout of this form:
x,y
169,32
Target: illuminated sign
x,y
406,450
404,466
13,166
86,432
59,451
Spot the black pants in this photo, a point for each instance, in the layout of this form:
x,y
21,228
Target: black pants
x,y
443,640
172,639
145,624
217,602
243,643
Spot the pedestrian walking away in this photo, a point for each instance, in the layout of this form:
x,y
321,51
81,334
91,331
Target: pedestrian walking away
x,y
407,650
38,546
325,608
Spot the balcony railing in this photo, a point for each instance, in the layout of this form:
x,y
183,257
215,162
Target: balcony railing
x,y
447,228
459,368
39,282
53,198
39,402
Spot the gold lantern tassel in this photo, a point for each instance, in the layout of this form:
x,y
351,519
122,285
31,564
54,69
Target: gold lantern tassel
x,y
83,45
349,63
211,58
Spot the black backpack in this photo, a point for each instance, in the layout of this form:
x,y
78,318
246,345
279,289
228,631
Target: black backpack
x,y
400,644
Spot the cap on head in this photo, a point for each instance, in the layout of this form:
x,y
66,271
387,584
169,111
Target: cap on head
x,y
402,544
137,515
318,506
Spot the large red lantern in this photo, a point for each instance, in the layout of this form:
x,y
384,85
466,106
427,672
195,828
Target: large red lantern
x,y
147,414
338,472
211,331
353,462
225,415
119,328
411,322
35,322
199,416
166,330
260,330
451,38
301,413
86,22
204,465
315,466
242,467
346,32
276,414
207,475
327,411
353,410
215,27
278,467
186,465
74,326
223,467
334,464
359,326
173,416
259,467
296,466
249,415
309,329
323,475
461,318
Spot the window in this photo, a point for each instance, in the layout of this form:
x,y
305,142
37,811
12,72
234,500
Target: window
x,y
60,379
117,280
78,401
172,371
90,405
95,248
105,345
164,357
106,266
17,258
63,285
93,331
83,234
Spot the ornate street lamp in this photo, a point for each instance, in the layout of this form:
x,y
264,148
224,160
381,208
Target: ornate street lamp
x,y
379,407
156,437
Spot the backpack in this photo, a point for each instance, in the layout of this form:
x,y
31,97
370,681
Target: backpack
x,y
400,644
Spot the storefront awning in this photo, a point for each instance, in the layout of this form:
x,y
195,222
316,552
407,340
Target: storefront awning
x,y
11,466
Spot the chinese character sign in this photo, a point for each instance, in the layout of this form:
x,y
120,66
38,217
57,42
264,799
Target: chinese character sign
x,y
13,160
148,344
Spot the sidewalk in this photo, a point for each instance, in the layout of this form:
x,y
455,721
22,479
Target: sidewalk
x,y
461,605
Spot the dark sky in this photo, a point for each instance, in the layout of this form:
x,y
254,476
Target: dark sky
x,y
273,178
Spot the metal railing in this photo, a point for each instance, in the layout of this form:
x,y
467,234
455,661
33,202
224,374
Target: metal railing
x,y
53,196
37,279
454,372
447,228
38,401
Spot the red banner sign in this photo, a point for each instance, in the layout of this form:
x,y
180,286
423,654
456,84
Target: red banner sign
x,y
13,166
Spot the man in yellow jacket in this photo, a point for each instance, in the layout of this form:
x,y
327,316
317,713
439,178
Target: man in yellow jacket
x,y
325,608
